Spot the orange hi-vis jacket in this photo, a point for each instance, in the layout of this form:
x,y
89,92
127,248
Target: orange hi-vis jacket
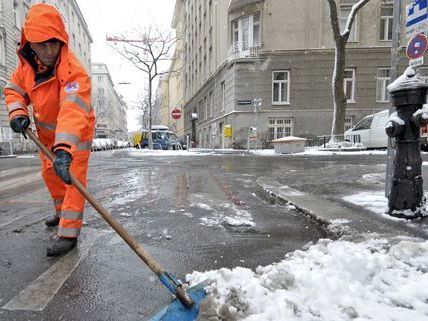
x,y
61,99
64,118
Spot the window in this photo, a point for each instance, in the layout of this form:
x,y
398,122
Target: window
x,y
210,60
223,95
344,13
279,127
383,80
2,49
211,105
386,15
16,19
206,106
349,122
365,123
26,8
100,79
100,91
349,85
246,33
280,87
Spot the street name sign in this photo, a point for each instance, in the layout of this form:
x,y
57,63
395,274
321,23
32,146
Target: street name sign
x,y
416,18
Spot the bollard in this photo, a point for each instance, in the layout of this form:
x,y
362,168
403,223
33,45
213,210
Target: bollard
x,y
408,94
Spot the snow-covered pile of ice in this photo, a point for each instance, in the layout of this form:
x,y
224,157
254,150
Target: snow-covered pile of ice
x,y
376,279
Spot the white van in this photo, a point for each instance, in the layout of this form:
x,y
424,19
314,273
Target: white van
x,y
370,131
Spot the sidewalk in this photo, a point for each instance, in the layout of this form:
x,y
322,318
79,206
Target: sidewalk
x,y
338,215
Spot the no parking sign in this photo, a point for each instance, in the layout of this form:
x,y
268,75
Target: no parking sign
x,y
416,48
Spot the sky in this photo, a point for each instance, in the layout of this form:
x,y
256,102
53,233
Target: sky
x,y
107,17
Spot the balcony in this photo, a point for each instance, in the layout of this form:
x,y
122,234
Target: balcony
x,y
240,50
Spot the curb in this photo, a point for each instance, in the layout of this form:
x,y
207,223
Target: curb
x,y
335,217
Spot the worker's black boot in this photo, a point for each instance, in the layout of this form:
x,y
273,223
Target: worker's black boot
x,y
60,245
52,221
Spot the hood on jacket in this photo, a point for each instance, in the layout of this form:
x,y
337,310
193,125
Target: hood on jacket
x,y
43,22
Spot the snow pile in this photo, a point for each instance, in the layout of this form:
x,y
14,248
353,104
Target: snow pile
x,y
332,280
343,145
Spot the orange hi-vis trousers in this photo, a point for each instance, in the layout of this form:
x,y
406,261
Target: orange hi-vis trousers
x,y
69,203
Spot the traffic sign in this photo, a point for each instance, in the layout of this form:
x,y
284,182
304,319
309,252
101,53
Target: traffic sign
x,y
416,18
416,46
176,113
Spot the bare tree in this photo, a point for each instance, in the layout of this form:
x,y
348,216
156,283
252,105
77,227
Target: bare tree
x,y
150,48
340,41
143,107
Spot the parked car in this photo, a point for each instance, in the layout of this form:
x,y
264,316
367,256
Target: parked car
x,y
162,139
370,131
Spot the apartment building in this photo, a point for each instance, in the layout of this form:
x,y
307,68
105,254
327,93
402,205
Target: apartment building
x,y
12,15
78,32
110,108
268,64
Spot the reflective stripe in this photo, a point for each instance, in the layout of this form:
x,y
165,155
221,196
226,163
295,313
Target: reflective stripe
x,y
16,88
68,232
84,145
58,201
69,215
48,126
60,137
79,101
14,106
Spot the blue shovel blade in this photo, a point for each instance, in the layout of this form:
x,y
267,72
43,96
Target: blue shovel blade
x,y
176,311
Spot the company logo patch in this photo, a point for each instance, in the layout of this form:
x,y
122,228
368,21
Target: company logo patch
x,y
72,87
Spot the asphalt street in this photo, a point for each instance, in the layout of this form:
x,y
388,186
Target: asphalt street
x,y
191,213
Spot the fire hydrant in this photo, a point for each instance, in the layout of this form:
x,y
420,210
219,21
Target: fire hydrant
x,y
408,94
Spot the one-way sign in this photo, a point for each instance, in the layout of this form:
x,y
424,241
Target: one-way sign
x,y
416,18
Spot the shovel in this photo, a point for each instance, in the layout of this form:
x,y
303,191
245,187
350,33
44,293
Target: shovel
x,y
188,307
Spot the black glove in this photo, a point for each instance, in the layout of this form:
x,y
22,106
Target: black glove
x,y
61,165
19,124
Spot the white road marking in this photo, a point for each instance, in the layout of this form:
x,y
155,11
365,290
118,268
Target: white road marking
x,y
37,295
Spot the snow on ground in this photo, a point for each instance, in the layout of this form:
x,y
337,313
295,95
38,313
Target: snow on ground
x,y
230,215
374,201
376,279
319,152
147,152
316,151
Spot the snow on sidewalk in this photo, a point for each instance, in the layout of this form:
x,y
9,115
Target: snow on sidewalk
x,y
376,279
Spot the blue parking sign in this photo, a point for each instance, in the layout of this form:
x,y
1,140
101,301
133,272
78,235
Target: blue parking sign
x,y
416,12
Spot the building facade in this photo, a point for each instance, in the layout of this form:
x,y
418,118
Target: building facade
x,y
110,108
269,63
12,15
